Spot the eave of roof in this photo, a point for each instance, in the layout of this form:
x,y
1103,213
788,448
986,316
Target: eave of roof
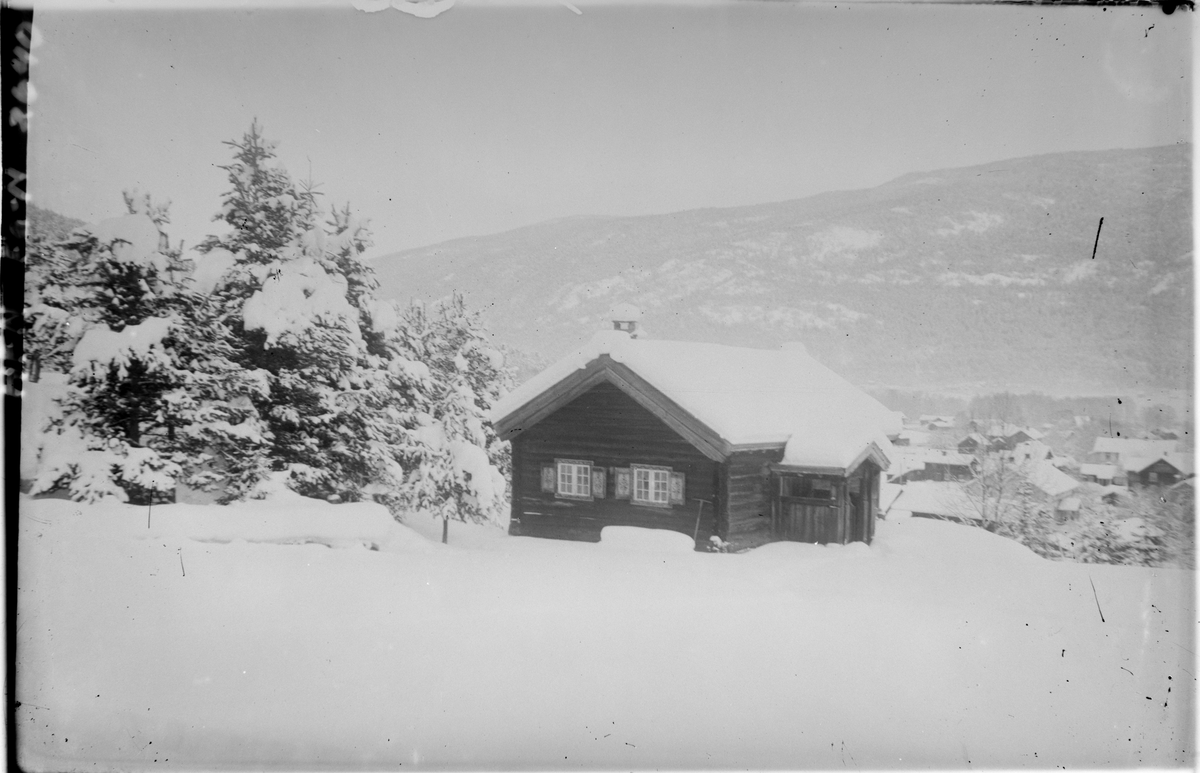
x,y
872,452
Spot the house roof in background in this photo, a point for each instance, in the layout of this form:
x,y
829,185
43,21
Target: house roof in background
x,y
1133,447
1049,479
1070,504
1034,449
1184,463
1105,471
936,498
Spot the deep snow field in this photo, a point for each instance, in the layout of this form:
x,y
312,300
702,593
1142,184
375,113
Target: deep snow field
x,y
271,634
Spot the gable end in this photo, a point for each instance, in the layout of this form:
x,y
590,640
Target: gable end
x,y
605,369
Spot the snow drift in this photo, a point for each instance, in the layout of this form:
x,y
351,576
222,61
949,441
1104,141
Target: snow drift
x,y
270,634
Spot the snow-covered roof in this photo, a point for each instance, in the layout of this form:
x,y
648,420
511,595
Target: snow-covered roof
x,y
903,463
1132,447
1069,505
1102,471
1049,479
1062,460
1007,430
1031,449
936,498
1182,462
625,312
905,458
747,397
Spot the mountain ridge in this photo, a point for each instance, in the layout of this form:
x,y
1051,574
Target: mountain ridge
x,y
978,277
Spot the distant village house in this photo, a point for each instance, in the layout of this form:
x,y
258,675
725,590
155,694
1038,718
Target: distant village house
x,y
1137,462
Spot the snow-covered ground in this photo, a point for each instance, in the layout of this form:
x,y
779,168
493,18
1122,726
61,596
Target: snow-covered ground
x,y
297,633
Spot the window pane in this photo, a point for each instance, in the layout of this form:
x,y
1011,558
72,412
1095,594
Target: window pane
x,y
660,486
641,488
574,479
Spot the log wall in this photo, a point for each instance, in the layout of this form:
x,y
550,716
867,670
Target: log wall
x,y
747,498
609,429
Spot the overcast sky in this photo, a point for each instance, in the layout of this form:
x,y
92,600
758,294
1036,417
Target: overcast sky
x,y
489,118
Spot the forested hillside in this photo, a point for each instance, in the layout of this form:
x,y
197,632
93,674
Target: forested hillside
x,y
977,279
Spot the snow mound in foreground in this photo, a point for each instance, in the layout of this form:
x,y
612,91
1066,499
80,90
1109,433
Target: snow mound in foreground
x,y
648,540
808,552
939,646
930,538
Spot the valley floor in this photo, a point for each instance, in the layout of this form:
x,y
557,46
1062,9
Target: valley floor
x,y
298,634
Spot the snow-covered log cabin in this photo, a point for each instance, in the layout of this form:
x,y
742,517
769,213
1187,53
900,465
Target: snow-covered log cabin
x,y
747,445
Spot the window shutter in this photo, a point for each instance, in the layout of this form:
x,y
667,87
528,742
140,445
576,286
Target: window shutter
x,y
623,478
599,490
677,488
549,479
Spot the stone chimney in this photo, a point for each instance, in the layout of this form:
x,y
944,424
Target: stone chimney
x,y
625,317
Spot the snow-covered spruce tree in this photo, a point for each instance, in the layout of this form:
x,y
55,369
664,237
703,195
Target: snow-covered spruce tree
x,y
1141,528
146,402
53,318
299,300
462,472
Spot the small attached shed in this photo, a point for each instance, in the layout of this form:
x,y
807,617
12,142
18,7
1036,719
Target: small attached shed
x,y
747,445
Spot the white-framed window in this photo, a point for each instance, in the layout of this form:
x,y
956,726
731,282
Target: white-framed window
x,y
574,478
652,485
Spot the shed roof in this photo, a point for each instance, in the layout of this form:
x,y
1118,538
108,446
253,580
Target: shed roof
x,y
744,397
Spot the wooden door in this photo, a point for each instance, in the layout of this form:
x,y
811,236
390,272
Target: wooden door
x,y
808,521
